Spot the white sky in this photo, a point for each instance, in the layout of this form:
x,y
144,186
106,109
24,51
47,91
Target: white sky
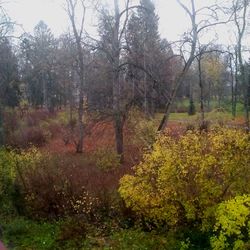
x,y
173,21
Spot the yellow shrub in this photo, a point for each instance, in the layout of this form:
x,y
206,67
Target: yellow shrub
x,y
12,167
232,224
183,180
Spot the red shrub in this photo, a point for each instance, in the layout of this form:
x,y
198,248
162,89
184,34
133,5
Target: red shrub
x,y
69,185
25,137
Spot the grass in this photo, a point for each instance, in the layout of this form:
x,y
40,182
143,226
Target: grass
x,y
25,234
20,233
213,116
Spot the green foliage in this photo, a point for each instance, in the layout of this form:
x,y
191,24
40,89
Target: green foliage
x,y
137,239
232,224
72,233
107,159
142,128
182,181
219,116
12,166
7,177
25,234
191,108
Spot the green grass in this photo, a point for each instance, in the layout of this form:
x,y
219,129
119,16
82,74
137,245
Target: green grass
x,y
213,116
25,234
20,233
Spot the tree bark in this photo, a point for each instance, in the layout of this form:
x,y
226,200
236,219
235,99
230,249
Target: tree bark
x,y
201,85
241,28
81,71
1,126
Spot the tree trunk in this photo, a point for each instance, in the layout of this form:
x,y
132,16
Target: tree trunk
x,y
188,64
118,120
1,126
201,93
233,89
241,27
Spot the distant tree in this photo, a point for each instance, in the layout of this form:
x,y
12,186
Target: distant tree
x,y
6,27
145,49
66,71
189,45
9,78
239,10
38,66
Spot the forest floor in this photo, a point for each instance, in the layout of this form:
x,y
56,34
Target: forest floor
x,y
102,133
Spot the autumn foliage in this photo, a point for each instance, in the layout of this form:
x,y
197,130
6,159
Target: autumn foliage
x,y
182,181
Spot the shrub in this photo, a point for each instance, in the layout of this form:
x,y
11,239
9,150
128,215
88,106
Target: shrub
x,y
66,186
12,168
107,159
72,233
34,117
26,137
232,224
142,129
182,181
7,177
71,185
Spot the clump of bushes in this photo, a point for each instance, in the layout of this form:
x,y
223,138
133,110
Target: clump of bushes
x,y
12,167
107,159
70,185
30,128
182,181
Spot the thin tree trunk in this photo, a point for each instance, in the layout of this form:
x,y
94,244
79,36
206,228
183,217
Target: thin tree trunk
x,y
233,86
1,126
184,72
118,120
241,27
201,93
81,71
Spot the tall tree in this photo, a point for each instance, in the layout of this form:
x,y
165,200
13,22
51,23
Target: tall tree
x,y
9,78
6,27
145,50
189,45
38,63
78,35
240,10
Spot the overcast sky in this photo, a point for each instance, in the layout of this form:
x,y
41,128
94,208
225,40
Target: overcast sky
x,y
172,19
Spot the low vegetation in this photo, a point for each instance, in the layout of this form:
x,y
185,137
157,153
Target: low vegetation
x,y
188,190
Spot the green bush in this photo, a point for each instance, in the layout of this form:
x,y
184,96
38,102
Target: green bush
x,y
7,178
107,159
143,129
232,224
23,234
12,168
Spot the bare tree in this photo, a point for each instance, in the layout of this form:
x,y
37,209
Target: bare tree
x,y
6,27
188,46
114,47
78,35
